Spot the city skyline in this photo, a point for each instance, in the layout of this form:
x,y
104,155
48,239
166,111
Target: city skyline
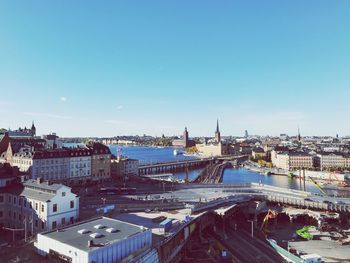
x,y
156,67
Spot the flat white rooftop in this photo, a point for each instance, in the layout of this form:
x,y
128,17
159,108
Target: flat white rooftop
x,y
103,231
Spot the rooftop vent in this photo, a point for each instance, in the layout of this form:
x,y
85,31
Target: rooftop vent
x,y
99,226
83,231
96,235
112,230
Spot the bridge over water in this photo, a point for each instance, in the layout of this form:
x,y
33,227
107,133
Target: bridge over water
x,y
166,167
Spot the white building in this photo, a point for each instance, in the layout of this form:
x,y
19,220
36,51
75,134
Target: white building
x,y
37,206
55,204
97,240
58,165
292,160
80,163
331,161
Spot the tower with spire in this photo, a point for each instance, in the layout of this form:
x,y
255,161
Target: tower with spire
x,y
33,129
217,132
299,137
185,138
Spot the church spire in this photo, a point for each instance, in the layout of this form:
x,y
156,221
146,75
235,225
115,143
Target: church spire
x,y
217,125
217,132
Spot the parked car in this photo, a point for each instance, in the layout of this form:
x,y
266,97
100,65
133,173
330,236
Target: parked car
x,y
328,202
340,203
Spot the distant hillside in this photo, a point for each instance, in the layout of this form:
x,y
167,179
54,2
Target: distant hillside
x,y
2,130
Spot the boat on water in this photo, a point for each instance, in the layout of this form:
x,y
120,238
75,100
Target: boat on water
x,y
168,177
178,152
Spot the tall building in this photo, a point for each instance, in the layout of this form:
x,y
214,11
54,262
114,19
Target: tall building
x,y
217,132
213,147
246,135
184,141
100,162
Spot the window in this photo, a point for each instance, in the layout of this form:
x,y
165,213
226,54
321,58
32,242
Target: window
x,y
72,220
1,199
1,214
42,225
63,193
42,208
54,208
54,224
63,221
25,202
36,222
36,206
71,204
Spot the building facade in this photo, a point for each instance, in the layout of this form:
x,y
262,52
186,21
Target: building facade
x,y
124,167
100,162
184,142
331,160
68,165
290,161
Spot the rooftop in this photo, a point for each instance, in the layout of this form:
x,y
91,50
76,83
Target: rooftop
x,y
110,230
42,186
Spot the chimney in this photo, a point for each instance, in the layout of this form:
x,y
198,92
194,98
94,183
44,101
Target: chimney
x,y
90,243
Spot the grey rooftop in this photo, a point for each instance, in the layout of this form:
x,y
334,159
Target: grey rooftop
x,y
79,234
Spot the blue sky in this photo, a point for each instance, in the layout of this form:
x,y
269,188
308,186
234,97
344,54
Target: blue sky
x,y
92,68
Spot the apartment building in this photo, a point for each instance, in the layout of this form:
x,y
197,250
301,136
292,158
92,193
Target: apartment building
x,y
292,160
100,162
331,160
124,167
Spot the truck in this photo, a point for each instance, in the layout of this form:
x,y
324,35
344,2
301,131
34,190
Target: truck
x,y
166,224
311,258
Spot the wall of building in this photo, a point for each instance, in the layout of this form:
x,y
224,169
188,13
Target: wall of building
x,y
210,149
64,210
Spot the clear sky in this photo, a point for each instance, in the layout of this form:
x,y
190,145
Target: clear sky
x,y
104,68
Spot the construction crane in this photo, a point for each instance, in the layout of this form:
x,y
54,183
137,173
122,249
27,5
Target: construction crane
x,y
341,183
318,186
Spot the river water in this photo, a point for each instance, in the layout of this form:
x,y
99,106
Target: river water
x,y
150,154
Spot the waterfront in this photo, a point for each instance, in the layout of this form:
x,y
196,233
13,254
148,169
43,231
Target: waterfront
x,y
243,175
147,154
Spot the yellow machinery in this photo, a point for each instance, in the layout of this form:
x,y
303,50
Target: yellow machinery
x,y
318,186
270,215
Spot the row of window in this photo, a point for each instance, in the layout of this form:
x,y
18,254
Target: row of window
x,y
23,201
